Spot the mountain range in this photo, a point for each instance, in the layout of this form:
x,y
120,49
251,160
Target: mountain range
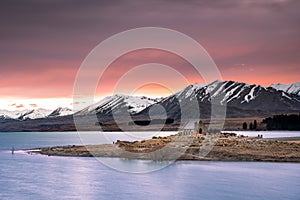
x,y
242,96
34,113
110,104
241,100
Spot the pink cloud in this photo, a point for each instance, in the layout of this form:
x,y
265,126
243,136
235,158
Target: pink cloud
x,y
20,106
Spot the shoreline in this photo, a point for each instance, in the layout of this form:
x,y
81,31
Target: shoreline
x,y
226,148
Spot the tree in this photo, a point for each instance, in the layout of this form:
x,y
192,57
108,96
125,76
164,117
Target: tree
x,y
283,122
255,125
245,126
251,126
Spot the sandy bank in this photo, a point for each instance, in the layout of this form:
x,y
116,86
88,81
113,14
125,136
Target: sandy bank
x,y
227,148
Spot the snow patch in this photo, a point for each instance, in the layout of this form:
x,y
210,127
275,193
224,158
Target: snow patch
x,y
293,88
135,104
193,89
249,97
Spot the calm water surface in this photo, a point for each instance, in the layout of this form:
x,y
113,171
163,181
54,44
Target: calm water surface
x,y
24,176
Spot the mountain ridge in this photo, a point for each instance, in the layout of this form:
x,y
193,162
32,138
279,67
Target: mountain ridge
x,y
238,96
38,113
293,88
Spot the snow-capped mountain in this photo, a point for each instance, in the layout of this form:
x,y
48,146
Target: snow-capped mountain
x,y
293,88
5,114
34,113
242,95
106,106
241,99
22,114
61,112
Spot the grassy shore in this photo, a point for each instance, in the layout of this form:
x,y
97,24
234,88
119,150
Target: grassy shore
x,y
194,147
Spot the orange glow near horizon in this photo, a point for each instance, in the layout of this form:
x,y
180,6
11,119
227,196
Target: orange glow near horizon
x,y
57,82
174,68
153,90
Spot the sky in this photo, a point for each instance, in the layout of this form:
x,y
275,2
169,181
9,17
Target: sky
x,y
43,44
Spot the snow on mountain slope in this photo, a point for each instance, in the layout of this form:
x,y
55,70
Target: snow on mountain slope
x,y
228,91
236,94
191,90
61,112
6,114
293,88
34,114
134,104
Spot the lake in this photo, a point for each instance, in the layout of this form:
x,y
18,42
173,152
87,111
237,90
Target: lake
x,y
24,176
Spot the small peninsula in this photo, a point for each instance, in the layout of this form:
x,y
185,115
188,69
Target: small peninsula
x,y
227,147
